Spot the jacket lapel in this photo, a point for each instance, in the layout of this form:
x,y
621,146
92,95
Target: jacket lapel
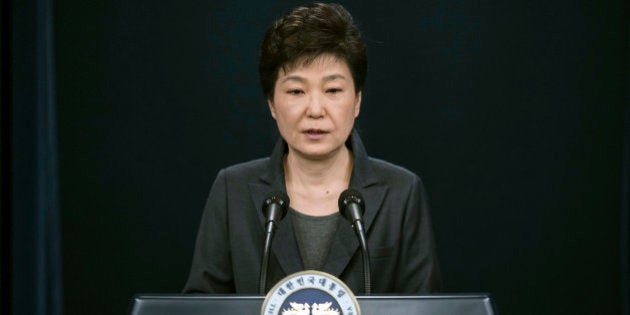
x,y
284,246
345,243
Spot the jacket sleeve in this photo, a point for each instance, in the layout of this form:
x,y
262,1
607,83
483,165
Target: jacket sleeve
x,y
211,270
418,266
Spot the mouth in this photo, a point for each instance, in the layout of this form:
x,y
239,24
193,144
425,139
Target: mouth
x,y
315,132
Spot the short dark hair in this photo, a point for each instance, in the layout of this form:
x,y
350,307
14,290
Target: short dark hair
x,y
306,33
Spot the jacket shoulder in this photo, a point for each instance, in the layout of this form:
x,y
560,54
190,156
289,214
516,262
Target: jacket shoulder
x,y
392,173
253,168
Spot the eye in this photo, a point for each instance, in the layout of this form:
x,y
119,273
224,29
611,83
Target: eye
x,y
334,90
295,92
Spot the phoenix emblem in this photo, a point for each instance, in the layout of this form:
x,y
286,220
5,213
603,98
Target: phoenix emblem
x,y
313,309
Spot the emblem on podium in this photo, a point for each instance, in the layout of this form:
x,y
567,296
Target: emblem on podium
x,y
310,292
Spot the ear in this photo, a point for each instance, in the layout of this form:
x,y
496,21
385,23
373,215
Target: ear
x,y
357,105
272,108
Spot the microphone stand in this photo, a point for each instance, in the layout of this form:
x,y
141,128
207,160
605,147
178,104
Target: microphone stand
x,y
265,260
365,255
351,207
274,208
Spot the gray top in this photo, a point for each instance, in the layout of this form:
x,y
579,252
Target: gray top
x,y
314,234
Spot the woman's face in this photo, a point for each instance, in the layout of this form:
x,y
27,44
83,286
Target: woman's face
x,y
315,106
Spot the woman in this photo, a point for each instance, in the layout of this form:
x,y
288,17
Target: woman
x,y
312,69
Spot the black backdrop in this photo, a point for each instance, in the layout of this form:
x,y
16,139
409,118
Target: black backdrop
x,y
511,112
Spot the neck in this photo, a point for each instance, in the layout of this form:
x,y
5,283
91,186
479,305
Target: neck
x,y
304,174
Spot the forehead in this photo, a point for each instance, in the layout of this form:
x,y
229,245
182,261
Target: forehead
x,y
320,64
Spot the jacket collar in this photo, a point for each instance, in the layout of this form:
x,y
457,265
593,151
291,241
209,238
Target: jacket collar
x,y
362,174
345,243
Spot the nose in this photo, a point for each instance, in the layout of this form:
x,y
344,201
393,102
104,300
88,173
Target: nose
x,y
315,107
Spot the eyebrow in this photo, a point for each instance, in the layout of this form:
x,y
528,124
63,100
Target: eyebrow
x,y
326,78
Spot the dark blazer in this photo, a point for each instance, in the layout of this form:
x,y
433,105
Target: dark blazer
x,y
400,239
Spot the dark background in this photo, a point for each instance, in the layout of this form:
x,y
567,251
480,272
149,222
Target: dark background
x,y
511,111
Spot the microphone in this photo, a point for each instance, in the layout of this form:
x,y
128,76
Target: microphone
x,y
352,207
274,209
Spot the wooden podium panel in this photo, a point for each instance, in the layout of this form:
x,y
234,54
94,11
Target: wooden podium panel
x,y
458,304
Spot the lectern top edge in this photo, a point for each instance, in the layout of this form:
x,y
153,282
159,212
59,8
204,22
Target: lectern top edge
x,y
158,296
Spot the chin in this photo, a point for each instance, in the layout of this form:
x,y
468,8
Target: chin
x,y
317,153
317,156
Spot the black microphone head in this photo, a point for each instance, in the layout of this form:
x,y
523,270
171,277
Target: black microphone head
x,y
347,197
280,199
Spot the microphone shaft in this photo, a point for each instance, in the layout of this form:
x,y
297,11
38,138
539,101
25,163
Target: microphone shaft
x,y
270,230
365,255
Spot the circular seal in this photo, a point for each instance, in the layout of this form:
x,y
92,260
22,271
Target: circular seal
x,y
310,292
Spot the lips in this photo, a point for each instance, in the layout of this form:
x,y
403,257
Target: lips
x,y
315,134
315,131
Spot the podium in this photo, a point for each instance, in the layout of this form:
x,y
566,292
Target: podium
x,y
456,304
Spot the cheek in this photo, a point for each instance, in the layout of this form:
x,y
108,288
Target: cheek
x,y
286,115
352,111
